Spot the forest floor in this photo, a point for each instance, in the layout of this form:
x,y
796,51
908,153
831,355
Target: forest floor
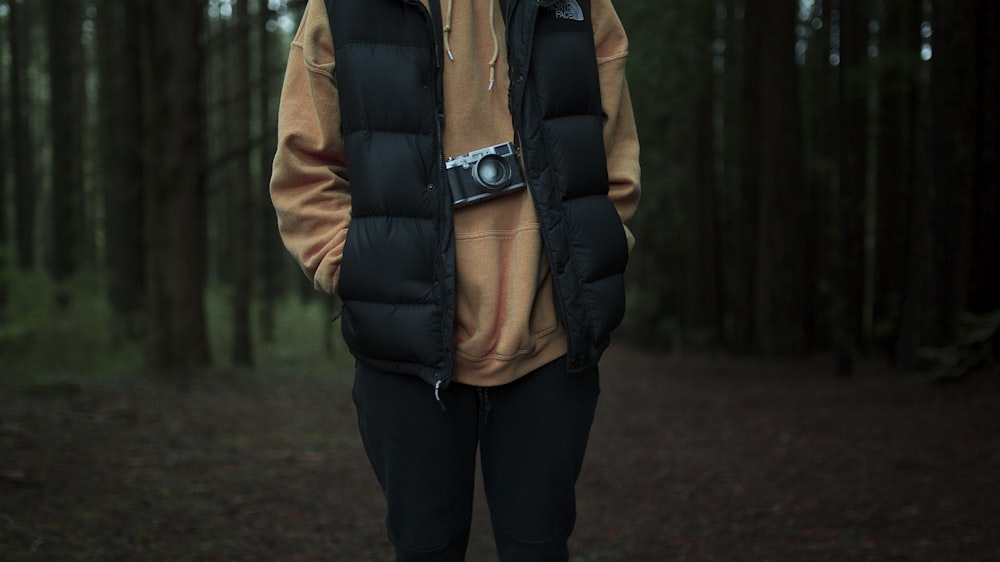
x,y
691,458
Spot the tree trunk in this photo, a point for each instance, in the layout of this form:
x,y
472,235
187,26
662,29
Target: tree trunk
x,y
984,289
852,164
66,115
953,128
241,233
819,147
740,185
939,253
5,250
120,104
898,85
269,243
175,196
699,299
25,183
774,157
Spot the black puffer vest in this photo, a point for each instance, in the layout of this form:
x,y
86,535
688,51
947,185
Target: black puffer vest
x,y
397,278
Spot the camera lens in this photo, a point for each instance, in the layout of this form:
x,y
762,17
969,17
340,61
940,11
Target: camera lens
x,y
492,172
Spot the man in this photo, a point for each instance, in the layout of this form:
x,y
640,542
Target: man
x,y
460,176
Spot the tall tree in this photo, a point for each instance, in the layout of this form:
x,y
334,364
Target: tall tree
x,y
985,276
241,233
120,105
819,114
269,243
175,190
939,245
953,128
4,166
772,177
897,168
698,298
66,114
219,32
740,201
25,184
852,150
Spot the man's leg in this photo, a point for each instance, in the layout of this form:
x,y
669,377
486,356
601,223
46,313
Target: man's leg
x,y
424,459
533,440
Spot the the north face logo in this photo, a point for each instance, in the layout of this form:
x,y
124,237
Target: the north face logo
x,y
568,10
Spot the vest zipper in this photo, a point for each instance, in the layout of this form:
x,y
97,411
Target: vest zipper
x,y
516,96
433,18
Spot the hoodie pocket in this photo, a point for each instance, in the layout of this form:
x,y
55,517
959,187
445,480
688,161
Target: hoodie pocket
x,y
504,297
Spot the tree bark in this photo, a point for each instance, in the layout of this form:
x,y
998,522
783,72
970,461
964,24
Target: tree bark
x,y
241,233
773,176
984,289
66,122
852,171
25,183
899,69
120,104
175,192
740,184
269,242
699,302
5,249
940,248
819,150
953,129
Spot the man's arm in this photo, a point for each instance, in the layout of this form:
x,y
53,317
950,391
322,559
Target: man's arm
x,y
621,140
310,189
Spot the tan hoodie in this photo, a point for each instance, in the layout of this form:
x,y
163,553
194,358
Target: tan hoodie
x,y
505,321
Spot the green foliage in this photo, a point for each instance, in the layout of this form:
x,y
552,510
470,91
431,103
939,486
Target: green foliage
x,y
47,348
302,334
43,341
300,329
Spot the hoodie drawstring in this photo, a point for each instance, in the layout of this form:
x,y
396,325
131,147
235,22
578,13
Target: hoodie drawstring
x,y
447,30
496,43
493,31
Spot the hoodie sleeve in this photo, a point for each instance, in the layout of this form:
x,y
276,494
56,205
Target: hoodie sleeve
x,y
621,140
310,187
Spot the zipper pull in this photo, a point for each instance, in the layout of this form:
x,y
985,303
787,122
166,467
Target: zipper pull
x,y
437,396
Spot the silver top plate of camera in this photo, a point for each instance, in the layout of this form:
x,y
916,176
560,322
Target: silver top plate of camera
x,y
484,173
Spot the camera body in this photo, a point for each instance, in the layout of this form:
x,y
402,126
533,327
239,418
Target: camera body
x,y
483,174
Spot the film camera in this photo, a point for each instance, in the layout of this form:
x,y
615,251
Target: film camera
x,y
484,173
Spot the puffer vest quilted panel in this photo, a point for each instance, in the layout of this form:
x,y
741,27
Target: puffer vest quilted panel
x,y
397,276
556,105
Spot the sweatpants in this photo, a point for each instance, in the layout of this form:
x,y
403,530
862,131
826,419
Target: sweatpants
x,y
531,435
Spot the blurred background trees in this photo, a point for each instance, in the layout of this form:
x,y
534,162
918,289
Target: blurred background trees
x,y
819,176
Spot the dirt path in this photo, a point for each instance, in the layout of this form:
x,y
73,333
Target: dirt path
x,y
690,459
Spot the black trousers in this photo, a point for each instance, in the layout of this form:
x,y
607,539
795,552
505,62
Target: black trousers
x,y
531,434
